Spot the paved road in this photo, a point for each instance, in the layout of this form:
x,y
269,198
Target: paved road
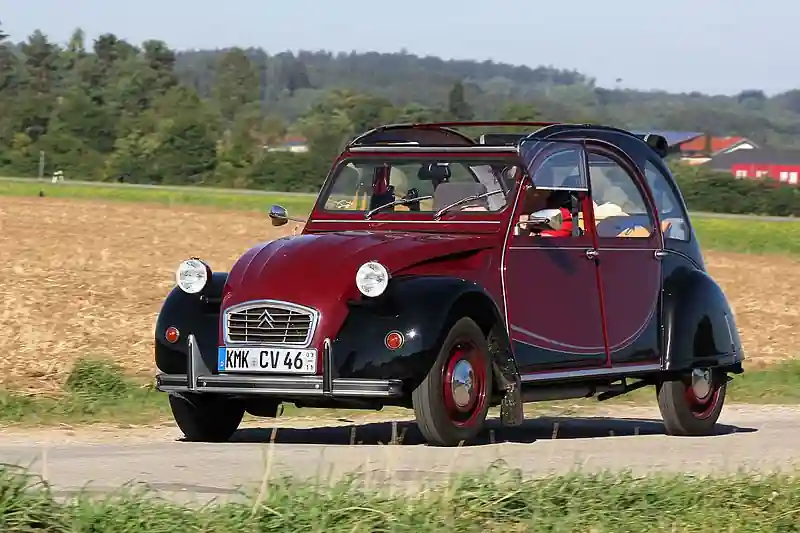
x,y
763,438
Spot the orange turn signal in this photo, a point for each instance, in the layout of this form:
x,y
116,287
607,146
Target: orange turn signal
x,y
172,334
394,340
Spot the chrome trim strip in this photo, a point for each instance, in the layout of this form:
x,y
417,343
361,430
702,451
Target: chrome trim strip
x,y
552,341
281,304
599,248
378,221
621,370
281,385
327,367
503,265
195,360
410,148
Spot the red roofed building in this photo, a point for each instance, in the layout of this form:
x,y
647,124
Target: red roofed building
x,y
701,149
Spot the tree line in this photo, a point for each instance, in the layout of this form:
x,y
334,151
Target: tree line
x,y
152,114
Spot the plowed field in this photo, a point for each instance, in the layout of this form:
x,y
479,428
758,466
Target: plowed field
x,y
82,278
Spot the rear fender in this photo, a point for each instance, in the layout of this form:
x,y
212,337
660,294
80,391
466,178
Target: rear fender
x,y
422,309
699,326
190,314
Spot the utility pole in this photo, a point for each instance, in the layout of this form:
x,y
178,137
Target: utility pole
x,y
41,164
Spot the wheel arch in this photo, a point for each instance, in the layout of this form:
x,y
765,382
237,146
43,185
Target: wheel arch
x,y
698,324
477,304
427,306
196,314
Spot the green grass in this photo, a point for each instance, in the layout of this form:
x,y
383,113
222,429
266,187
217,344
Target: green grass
x,y
493,502
297,204
748,236
98,392
95,391
777,384
735,235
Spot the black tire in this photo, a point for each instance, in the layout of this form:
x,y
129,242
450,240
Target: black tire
x,y
686,414
206,417
441,420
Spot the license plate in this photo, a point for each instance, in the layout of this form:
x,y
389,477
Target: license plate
x,y
266,359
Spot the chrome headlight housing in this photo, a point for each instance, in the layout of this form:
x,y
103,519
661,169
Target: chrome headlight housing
x,y
192,275
372,278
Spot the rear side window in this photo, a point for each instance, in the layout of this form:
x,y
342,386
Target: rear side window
x,y
673,223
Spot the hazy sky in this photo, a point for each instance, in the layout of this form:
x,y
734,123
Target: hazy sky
x,y
717,46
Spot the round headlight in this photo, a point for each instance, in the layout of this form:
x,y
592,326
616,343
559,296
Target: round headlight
x,y
192,275
372,279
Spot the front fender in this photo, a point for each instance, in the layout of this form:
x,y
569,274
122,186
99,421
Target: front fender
x,y
699,326
422,308
196,314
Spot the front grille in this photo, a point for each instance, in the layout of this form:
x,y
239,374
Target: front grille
x,y
272,323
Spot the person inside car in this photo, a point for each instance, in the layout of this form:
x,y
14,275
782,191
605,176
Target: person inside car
x,y
537,199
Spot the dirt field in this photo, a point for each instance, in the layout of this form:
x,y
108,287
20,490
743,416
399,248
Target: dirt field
x,y
87,278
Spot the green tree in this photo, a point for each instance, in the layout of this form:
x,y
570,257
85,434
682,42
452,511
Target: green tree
x,y
236,84
457,104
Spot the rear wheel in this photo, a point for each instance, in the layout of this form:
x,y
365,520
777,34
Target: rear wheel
x,y
452,401
206,417
691,406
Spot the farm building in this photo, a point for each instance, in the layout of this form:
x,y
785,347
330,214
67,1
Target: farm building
x,y
781,165
702,148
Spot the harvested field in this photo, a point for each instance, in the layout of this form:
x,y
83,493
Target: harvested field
x,y
86,278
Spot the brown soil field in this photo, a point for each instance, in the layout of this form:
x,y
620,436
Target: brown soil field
x,y
87,278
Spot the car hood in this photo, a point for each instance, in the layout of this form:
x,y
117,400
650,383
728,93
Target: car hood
x,y
317,269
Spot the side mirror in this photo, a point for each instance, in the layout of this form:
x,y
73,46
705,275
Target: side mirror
x,y
278,215
544,219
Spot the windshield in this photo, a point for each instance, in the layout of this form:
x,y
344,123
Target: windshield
x,y
418,184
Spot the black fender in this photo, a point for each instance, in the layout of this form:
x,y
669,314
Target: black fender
x,y
422,308
699,326
196,314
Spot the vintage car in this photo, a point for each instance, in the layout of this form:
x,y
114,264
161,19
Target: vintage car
x,y
450,273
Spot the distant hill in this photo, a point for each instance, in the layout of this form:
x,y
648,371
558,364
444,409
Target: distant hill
x,y
289,82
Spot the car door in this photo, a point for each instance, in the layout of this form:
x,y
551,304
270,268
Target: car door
x,y
551,289
629,248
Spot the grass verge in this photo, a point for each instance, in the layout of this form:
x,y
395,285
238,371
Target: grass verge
x,y
97,391
734,235
297,204
496,501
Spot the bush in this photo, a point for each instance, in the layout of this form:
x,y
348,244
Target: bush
x,y
720,192
97,380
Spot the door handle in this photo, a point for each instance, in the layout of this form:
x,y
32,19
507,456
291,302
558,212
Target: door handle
x,y
660,254
591,253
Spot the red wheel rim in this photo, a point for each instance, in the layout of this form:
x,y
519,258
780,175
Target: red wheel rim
x,y
702,393
464,384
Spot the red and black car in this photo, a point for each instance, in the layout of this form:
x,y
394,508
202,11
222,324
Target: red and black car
x,y
449,274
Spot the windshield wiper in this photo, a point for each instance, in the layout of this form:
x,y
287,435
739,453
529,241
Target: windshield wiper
x,y
399,201
463,200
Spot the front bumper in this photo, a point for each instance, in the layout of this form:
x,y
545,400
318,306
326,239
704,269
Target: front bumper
x,y
200,379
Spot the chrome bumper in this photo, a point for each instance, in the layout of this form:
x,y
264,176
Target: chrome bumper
x,y
200,379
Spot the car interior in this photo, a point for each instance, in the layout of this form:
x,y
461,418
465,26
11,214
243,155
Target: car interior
x,y
388,183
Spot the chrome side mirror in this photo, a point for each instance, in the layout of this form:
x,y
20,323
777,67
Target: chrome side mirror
x,y
543,219
278,215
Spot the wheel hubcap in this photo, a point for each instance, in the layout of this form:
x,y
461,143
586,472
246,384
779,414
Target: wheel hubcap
x,y
702,383
462,384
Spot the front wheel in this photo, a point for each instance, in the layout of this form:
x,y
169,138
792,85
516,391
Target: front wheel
x,y
691,406
206,417
452,401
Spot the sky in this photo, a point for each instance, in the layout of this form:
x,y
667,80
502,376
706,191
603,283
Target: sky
x,y
712,46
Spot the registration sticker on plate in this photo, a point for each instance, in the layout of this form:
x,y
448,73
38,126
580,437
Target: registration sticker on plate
x,y
266,359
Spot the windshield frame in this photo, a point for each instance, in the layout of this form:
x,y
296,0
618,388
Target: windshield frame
x,y
482,154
